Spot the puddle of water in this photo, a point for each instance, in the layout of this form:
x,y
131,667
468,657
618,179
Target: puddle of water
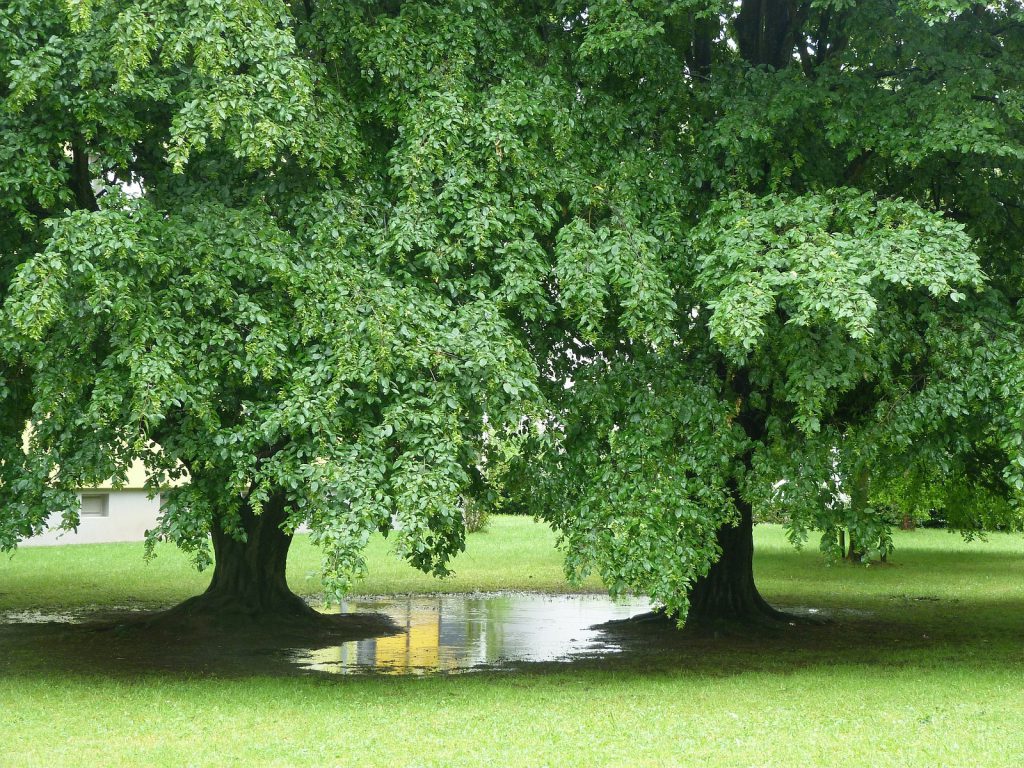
x,y
34,617
75,616
462,633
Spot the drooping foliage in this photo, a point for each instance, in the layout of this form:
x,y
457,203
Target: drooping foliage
x,y
285,250
835,188
657,264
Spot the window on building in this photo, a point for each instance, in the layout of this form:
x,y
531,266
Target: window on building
x,y
96,505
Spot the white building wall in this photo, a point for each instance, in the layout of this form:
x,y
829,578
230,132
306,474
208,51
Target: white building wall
x,y
129,514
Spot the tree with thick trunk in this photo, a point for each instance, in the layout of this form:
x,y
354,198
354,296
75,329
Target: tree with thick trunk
x,y
829,292
340,264
288,263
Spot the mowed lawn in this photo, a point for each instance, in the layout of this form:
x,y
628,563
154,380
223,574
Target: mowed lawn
x,y
921,666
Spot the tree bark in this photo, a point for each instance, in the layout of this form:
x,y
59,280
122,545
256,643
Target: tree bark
x,y
766,30
81,177
249,574
855,554
728,591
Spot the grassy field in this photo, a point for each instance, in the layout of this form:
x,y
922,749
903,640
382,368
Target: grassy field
x,y
921,667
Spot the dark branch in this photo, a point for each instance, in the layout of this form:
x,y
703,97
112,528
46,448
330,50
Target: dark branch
x,y
81,178
855,170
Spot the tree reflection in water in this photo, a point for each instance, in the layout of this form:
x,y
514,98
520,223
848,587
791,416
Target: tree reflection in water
x,y
461,633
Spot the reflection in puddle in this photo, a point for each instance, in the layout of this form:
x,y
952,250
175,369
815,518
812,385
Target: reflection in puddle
x,y
459,633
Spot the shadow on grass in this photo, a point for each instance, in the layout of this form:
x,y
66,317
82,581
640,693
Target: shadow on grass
x,y
915,633
919,632
128,643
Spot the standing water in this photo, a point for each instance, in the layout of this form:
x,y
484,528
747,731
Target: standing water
x,y
460,633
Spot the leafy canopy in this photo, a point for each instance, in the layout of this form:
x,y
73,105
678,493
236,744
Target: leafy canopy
x,y
356,252
282,248
834,192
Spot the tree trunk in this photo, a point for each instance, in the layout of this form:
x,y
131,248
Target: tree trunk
x,y
854,554
728,591
765,31
249,576
248,604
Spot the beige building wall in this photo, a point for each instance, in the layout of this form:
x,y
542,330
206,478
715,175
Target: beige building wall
x,y
107,516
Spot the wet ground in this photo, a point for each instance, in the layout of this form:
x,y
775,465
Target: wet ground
x,y
418,634
462,633
451,634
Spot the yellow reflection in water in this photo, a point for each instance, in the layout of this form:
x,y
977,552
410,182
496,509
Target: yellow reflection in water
x,y
416,649
459,633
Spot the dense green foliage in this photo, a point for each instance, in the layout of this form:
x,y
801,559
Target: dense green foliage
x,y
836,190
364,262
289,250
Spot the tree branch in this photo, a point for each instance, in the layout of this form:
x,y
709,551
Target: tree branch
x,y
81,179
855,170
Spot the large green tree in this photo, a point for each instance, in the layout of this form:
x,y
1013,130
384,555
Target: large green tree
x,y
286,251
340,263
828,199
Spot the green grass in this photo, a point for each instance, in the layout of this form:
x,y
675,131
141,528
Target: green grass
x,y
514,553
923,668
